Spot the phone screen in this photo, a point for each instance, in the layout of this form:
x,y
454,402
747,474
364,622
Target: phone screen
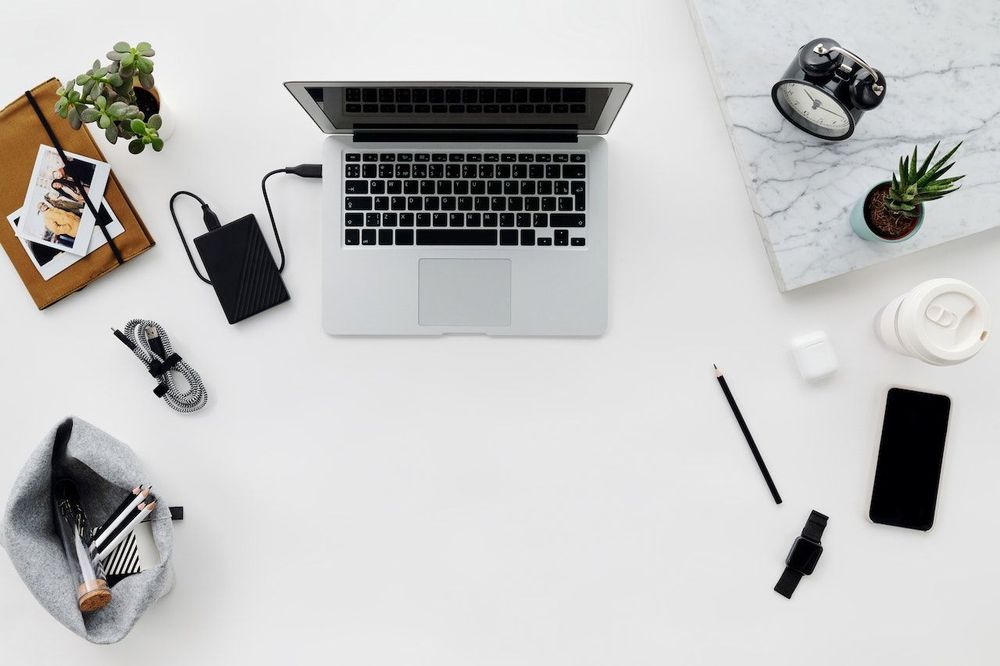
x,y
909,459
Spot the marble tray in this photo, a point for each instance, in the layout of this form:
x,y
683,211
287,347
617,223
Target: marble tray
x,y
941,59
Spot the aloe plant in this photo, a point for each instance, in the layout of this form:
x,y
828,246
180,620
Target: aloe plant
x,y
914,186
106,96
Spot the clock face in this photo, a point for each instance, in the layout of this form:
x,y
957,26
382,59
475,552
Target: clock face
x,y
813,109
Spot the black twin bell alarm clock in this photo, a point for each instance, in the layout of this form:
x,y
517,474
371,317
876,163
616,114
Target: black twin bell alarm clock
x,y
827,89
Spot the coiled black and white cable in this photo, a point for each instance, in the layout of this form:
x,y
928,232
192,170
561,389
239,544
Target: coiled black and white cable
x,y
151,345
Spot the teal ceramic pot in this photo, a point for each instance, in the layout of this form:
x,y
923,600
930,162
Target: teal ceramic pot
x,y
861,228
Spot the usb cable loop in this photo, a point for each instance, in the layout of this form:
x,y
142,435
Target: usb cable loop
x,y
212,223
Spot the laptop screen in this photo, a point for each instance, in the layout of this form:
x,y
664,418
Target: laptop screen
x,y
571,107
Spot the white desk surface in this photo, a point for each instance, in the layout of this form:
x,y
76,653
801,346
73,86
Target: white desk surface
x,y
466,500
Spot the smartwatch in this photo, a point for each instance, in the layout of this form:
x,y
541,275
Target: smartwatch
x,y
803,556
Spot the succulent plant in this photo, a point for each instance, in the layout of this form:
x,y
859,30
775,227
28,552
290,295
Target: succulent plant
x,y
914,186
106,96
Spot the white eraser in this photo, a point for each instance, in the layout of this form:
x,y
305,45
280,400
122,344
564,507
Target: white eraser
x,y
814,355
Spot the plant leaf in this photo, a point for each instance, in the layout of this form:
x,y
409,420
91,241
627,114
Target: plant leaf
x,y
127,60
155,121
157,144
90,115
122,47
137,126
104,122
111,133
136,146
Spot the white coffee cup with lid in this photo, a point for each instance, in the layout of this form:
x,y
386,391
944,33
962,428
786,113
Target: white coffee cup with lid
x,y
941,322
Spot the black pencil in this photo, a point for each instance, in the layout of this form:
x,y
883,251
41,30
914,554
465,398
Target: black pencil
x,y
746,433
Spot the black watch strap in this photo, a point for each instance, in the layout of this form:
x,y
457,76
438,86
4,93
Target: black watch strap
x,y
788,582
815,526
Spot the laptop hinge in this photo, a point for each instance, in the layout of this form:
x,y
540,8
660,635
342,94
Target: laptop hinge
x,y
396,135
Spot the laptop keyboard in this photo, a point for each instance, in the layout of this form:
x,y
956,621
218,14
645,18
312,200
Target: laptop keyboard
x,y
536,199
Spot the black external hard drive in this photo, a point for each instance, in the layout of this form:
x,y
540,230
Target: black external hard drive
x,y
241,268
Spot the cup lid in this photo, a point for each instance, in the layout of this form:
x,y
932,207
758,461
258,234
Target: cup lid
x,y
944,321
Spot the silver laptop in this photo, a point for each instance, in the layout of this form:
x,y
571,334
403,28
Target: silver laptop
x,y
464,207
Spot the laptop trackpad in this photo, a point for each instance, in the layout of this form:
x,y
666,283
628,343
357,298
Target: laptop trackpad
x,y
464,292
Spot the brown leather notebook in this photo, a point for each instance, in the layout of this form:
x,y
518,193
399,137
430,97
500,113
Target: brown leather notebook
x,y
21,133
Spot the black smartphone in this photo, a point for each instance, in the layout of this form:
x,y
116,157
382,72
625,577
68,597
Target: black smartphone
x,y
909,459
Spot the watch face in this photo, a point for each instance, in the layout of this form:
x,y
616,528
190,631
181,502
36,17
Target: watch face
x,y
813,109
804,555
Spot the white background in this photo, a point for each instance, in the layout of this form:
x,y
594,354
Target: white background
x,y
466,500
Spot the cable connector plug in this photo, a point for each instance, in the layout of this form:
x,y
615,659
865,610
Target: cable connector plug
x,y
306,170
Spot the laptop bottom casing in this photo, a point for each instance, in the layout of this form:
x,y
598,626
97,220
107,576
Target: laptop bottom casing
x,y
495,290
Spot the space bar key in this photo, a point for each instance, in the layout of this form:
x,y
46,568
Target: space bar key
x,y
456,237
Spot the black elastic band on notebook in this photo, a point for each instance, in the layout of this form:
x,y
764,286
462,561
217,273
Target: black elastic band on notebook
x,y
99,220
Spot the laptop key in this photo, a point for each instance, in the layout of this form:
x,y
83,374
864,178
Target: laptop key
x,y
577,157
354,220
560,157
370,157
352,157
458,237
404,157
524,219
552,171
456,220
358,203
411,187
574,171
545,241
465,203
405,220
473,220
372,219
489,219
562,237
565,203
404,237
508,237
549,203
578,242
532,203
460,186
506,219
561,187
482,203
352,237
473,157
423,219
422,157
567,220
440,220
352,171
432,203
580,195
508,157
543,157
498,204
528,237
389,219
385,236
369,170
491,157
377,187
540,219
494,187
525,157
368,236
381,203
394,187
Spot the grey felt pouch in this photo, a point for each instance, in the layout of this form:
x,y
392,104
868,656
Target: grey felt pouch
x,y
104,470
